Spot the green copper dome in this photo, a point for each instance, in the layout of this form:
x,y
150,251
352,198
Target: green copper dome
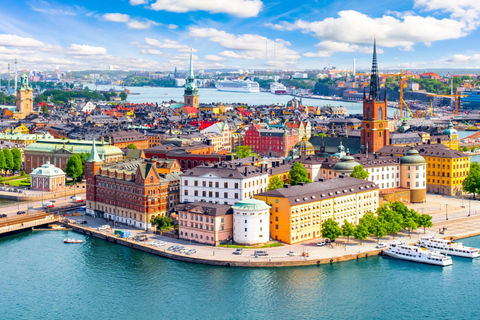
x,y
413,158
346,164
450,130
251,205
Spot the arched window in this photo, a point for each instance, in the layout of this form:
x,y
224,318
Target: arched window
x,y
380,113
369,114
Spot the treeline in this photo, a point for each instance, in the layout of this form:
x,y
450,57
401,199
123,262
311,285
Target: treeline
x,y
10,160
139,81
62,97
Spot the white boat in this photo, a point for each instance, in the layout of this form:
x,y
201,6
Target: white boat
x,y
416,254
448,247
72,241
238,85
278,88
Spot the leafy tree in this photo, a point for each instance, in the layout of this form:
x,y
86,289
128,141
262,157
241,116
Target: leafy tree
x,y
369,220
8,159
161,222
331,230
131,146
359,173
17,159
23,174
472,181
465,149
321,134
410,224
298,173
379,229
83,157
74,167
393,221
400,207
243,151
348,229
425,221
274,183
44,109
123,96
3,164
72,85
361,232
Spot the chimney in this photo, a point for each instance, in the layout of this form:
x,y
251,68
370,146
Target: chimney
x,y
321,180
288,186
246,171
301,184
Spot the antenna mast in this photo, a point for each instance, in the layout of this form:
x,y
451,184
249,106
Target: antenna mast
x,y
15,73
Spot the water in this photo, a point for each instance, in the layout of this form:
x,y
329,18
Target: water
x,y
42,278
159,94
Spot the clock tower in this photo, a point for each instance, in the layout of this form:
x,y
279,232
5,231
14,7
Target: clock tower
x,y
375,132
191,90
92,169
24,99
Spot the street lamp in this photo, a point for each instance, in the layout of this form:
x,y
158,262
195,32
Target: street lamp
x,y
446,211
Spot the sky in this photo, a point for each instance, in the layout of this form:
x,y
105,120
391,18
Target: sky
x,y
247,34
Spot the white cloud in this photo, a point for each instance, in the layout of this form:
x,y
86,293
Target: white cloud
x,y
457,59
354,27
211,57
463,10
135,24
172,26
85,50
328,48
151,51
240,8
167,44
248,46
14,40
138,2
116,17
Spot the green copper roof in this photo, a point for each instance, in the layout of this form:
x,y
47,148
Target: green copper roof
x,y
73,146
413,157
251,205
94,154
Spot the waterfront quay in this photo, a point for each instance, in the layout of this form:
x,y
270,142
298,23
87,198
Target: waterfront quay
x,y
459,225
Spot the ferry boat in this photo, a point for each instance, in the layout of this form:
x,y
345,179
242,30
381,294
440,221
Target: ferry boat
x,y
278,88
238,85
448,247
416,254
72,241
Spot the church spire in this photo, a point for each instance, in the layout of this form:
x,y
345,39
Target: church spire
x,y
94,154
191,64
374,82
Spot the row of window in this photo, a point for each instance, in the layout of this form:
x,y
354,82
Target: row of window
x,y
226,184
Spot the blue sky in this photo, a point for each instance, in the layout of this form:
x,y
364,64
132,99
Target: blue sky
x,y
247,34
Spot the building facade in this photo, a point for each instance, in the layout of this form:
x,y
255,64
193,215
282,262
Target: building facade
x,y
123,138
24,99
47,178
271,142
251,222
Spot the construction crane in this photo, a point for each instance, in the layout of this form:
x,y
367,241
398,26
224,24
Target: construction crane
x,y
401,103
456,96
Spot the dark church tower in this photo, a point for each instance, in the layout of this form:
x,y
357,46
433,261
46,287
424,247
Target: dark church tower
x,y
375,132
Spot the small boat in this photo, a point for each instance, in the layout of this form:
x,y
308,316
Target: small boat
x,y
448,247
72,241
411,253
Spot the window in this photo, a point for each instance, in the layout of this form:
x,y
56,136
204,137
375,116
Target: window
x,y
225,185
236,185
276,226
195,183
236,195
223,220
216,184
186,192
210,184
276,219
186,182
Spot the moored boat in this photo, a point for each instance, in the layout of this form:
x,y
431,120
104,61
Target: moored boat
x,y
72,241
448,247
411,253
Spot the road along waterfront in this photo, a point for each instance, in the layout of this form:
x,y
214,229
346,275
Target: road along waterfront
x,y
42,278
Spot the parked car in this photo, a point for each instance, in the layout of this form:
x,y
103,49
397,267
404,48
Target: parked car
x,y
290,253
81,221
104,227
21,212
184,250
321,244
3,215
191,251
141,237
47,205
158,243
329,241
260,253
173,248
239,251
381,245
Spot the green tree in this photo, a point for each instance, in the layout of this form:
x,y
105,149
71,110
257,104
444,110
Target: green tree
x,y
3,164
161,222
348,229
472,181
8,159
379,229
393,220
361,232
401,208
17,159
359,173
74,167
410,224
465,149
331,230
123,96
425,221
274,183
369,220
243,152
298,173
44,109
131,146
321,134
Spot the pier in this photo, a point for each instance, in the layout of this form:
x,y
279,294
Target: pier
x,y
26,222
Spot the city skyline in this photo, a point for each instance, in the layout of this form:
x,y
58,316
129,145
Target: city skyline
x,y
247,34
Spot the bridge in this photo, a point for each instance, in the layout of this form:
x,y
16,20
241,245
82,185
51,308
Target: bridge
x,y
26,222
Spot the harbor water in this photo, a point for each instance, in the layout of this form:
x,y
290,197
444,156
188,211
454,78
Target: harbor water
x,y
43,278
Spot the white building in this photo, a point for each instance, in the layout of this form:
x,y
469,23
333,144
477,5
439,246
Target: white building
x,y
223,129
413,172
47,178
223,182
300,75
88,107
251,222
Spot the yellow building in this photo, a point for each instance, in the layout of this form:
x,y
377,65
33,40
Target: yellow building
x,y
452,142
213,109
24,99
25,139
297,212
19,129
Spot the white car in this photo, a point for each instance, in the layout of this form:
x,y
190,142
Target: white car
x,y
158,243
381,245
104,227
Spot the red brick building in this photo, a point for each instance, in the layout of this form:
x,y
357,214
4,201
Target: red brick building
x,y
271,142
130,192
186,159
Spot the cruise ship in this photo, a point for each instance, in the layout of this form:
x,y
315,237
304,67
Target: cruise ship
x,y
448,247
238,85
416,254
278,88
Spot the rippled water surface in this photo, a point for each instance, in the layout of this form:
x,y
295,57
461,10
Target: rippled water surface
x,y
43,278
